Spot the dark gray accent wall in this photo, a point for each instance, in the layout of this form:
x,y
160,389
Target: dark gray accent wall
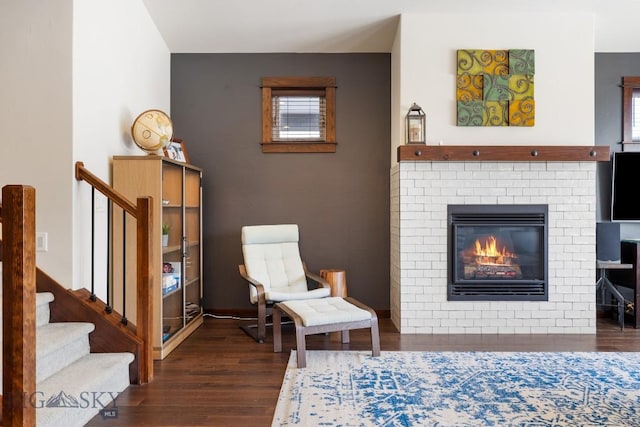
x,y
339,200
609,70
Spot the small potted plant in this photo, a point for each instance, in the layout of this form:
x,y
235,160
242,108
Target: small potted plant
x,y
165,234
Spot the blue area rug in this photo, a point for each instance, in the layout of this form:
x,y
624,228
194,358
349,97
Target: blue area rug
x,y
348,388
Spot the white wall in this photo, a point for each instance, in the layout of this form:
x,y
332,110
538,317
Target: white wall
x,y
75,74
617,32
121,67
35,117
397,115
564,55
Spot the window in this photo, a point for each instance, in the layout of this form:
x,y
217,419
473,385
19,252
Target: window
x,y
298,118
630,110
635,119
298,115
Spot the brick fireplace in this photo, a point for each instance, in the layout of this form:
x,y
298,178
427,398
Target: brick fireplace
x,y
424,187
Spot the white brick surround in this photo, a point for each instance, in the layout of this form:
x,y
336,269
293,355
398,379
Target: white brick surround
x,y
420,193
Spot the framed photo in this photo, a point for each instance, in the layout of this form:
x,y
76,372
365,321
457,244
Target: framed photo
x,y
176,150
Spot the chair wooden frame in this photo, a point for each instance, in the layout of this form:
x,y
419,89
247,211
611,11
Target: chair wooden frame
x,y
265,308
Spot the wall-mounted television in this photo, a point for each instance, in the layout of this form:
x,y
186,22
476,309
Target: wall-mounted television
x,y
625,187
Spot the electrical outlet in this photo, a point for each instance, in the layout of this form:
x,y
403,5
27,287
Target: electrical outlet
x,y
42,244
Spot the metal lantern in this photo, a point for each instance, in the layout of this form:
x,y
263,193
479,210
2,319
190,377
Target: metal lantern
x,y
416,124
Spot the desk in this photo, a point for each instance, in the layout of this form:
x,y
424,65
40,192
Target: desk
x,y
629,278
604,285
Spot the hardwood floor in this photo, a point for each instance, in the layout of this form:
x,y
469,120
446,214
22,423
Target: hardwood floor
x,y
221,377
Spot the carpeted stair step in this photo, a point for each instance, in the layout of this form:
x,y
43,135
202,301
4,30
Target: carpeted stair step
x,y
76,394
72,384
43,312
60,344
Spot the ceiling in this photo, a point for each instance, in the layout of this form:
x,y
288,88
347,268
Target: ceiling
x,y
342,26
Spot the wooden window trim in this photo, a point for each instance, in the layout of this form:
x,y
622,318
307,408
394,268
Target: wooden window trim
x,y
295,86
629,85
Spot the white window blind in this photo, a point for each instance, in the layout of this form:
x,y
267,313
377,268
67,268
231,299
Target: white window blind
x,y
635,116
298,118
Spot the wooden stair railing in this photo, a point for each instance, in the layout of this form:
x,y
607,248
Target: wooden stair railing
x,y
142,212
18,305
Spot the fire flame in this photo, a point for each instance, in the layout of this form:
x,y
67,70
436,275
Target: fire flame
x,y
491,254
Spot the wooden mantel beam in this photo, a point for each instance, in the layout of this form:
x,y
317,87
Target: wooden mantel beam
x,y
513,153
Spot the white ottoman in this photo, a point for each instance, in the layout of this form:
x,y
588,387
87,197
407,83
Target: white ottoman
x,y
332,314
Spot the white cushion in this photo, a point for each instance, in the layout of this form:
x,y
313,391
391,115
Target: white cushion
x,y
272,257
326,311
286,295
260,234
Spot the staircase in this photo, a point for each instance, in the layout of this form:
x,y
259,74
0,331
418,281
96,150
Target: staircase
x,y
67,355
72,384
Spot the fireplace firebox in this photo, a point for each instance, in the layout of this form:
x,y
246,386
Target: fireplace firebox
x,y
497,253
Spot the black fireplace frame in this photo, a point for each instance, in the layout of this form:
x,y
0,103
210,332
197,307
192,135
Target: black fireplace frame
x,y
495,214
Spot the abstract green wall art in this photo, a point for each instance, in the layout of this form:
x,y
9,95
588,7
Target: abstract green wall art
x,y
495,87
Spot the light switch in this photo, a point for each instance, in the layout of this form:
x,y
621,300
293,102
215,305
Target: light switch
x,y
42,241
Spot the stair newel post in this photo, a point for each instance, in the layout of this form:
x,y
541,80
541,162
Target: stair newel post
x,y
144,308
19,306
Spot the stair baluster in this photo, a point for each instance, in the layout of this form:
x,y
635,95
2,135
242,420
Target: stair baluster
x,y
124,267
109,252
93,243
